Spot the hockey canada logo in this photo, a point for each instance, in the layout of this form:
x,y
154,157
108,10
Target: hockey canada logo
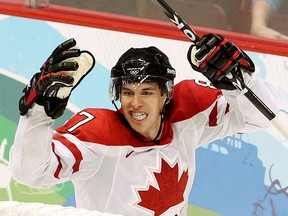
x,y
166,192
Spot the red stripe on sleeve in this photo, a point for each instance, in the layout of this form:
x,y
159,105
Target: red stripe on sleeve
x,y
213,116
73,149
59,167
227,108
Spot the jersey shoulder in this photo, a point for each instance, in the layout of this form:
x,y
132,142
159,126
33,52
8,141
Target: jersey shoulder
x,y
192,97
94,125
101,126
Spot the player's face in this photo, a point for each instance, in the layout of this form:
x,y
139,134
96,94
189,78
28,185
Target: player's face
x,y
141,105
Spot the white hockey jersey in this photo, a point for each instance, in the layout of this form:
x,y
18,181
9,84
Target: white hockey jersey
x,y
114,171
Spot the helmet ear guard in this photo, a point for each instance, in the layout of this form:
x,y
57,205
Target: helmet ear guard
x,y
139,65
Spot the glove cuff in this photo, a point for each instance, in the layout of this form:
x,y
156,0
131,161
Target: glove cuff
x,y
54,107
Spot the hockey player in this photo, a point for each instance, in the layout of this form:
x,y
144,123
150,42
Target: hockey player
x,y
139,159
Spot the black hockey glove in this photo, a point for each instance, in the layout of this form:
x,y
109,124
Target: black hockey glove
x,y
217,59
60,74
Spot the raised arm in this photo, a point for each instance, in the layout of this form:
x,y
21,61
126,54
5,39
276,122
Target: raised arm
x,y
44,100
216,57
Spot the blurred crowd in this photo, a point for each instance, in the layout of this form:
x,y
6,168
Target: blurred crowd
x,y
264,18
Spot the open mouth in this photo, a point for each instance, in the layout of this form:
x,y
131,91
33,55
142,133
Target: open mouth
x,y
138,115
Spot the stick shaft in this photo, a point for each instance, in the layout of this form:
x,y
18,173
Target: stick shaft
x,y
281,123
177,20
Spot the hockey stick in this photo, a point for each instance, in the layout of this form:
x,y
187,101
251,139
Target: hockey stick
x,y
238,83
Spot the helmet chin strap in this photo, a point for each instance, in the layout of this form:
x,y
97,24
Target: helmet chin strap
x,y
126,124
162,115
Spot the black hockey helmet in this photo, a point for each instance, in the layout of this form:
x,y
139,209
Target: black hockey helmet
x,y
138,65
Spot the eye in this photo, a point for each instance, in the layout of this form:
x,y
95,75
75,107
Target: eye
x,y
127,93
147,93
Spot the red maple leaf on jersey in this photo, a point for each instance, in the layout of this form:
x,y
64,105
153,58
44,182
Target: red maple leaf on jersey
x,y
170,189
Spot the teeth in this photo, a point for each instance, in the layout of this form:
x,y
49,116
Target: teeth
x,y
138,115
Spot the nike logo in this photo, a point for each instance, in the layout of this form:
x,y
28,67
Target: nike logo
x,y
128,154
